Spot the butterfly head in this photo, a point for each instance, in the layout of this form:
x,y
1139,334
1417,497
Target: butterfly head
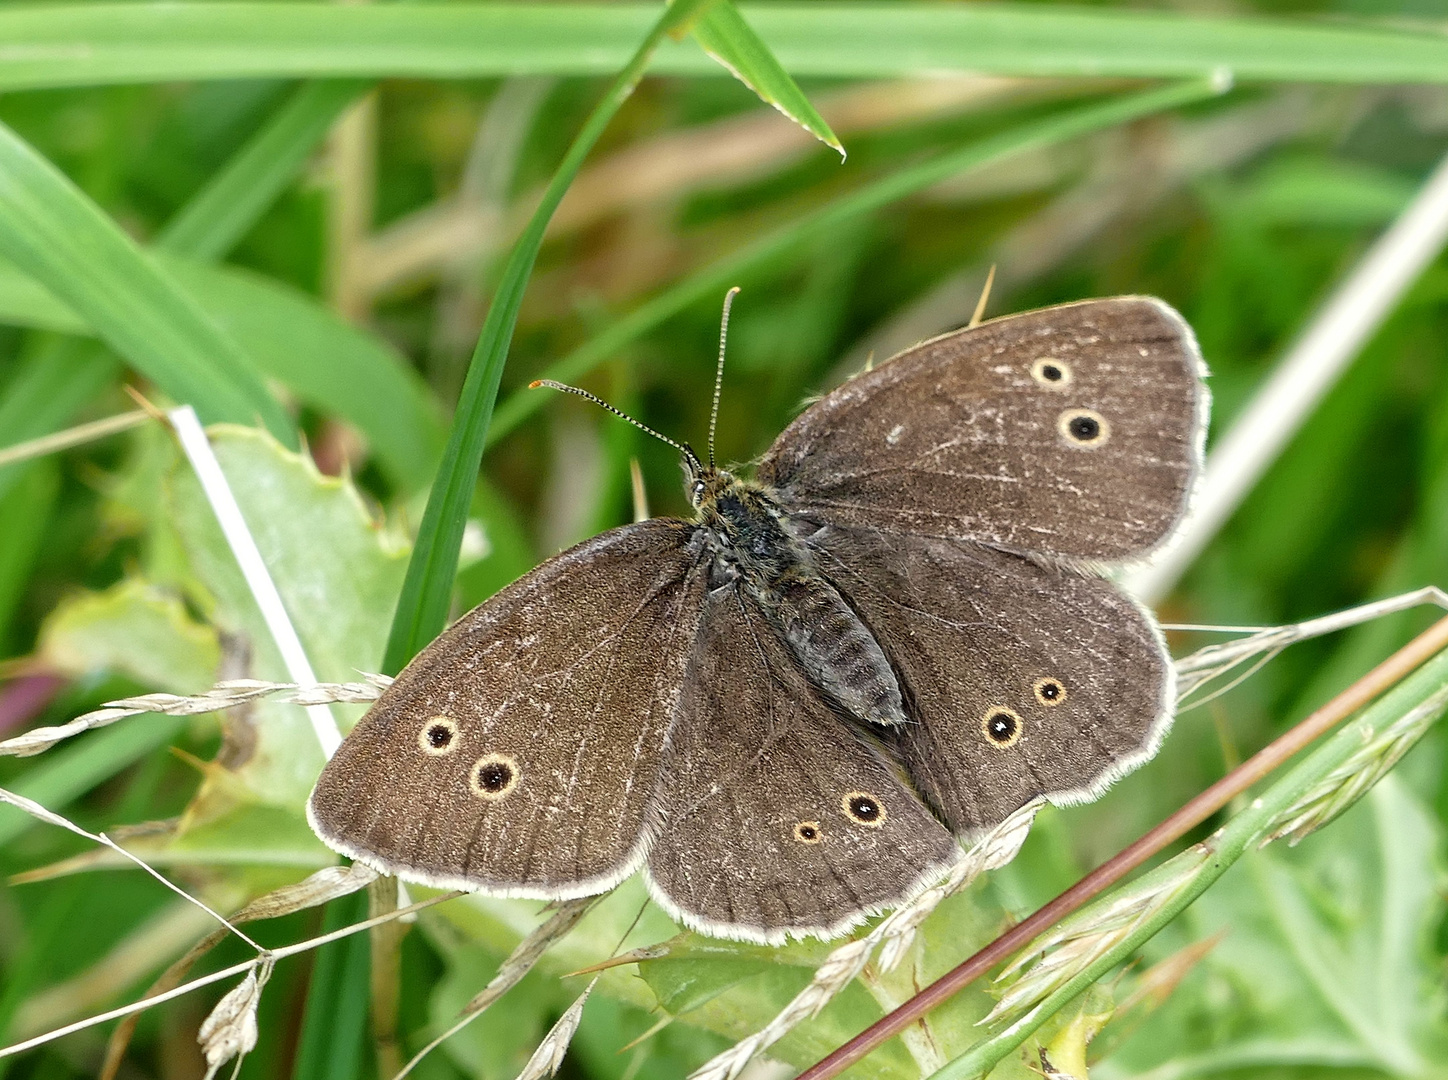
x,y
705,484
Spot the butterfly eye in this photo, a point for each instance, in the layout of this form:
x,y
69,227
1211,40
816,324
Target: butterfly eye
x,y
1052,373
1049,692
493,776
698,491
1084,427
438,736
1002,726
808,832
863,809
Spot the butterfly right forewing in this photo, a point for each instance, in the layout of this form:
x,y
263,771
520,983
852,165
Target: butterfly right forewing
x,y
1073,431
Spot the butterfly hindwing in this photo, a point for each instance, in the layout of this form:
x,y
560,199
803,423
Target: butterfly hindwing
x,y
1021,679
779,819
520,752
1073,431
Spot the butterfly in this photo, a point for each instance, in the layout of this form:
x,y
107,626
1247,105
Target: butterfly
x,y
790,710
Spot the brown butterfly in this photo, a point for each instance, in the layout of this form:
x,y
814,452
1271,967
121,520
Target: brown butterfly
x,y
790,709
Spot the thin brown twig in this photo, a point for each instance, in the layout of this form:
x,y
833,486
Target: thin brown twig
x,y
1190,815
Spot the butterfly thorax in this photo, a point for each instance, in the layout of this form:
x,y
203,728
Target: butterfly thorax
x,y
753,550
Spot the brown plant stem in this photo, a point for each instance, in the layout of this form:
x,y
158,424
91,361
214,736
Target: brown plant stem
x,y
1190,815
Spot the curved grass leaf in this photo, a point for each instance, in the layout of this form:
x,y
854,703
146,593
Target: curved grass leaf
x,y
327,362
287,335
223,211
423,606
95,44
726,37
53,232
719,275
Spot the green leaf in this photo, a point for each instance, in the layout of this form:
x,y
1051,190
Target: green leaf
x,y
224,211
726,37
95,44
327,362
135,630
54,233
336,1009
62,376
498,1043
711,281
426,593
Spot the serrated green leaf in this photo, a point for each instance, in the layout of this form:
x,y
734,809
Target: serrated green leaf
x,y
135,630
728,38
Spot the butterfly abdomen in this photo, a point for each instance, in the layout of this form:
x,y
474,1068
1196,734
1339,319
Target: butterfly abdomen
x,y
835,649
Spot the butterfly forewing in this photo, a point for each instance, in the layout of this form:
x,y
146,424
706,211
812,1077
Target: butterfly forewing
x,y
1071,431
1022,680
521,751
778,817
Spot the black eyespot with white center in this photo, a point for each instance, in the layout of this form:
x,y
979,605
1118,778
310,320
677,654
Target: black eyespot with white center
x,y
1049,692
1051,373
1002,726
808,832
863,808
493,776
1084,427
438,736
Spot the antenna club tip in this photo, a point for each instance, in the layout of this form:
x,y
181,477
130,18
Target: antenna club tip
x,y
535,384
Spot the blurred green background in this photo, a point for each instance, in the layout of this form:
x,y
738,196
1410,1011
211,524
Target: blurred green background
x,y
346,238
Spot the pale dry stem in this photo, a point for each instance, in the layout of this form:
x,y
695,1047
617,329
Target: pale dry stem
x,y
218,976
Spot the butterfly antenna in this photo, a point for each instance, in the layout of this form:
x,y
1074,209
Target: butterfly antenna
x,y
682,448
719,371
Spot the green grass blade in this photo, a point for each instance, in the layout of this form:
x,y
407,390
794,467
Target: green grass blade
x,y
327,362
224,211
336,1012
70,771
726,37
53,232
712,280
92,44
426,592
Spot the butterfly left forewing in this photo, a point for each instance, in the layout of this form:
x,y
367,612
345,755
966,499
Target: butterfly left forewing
x,y
520,752
1074,431
778,819
1022,680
